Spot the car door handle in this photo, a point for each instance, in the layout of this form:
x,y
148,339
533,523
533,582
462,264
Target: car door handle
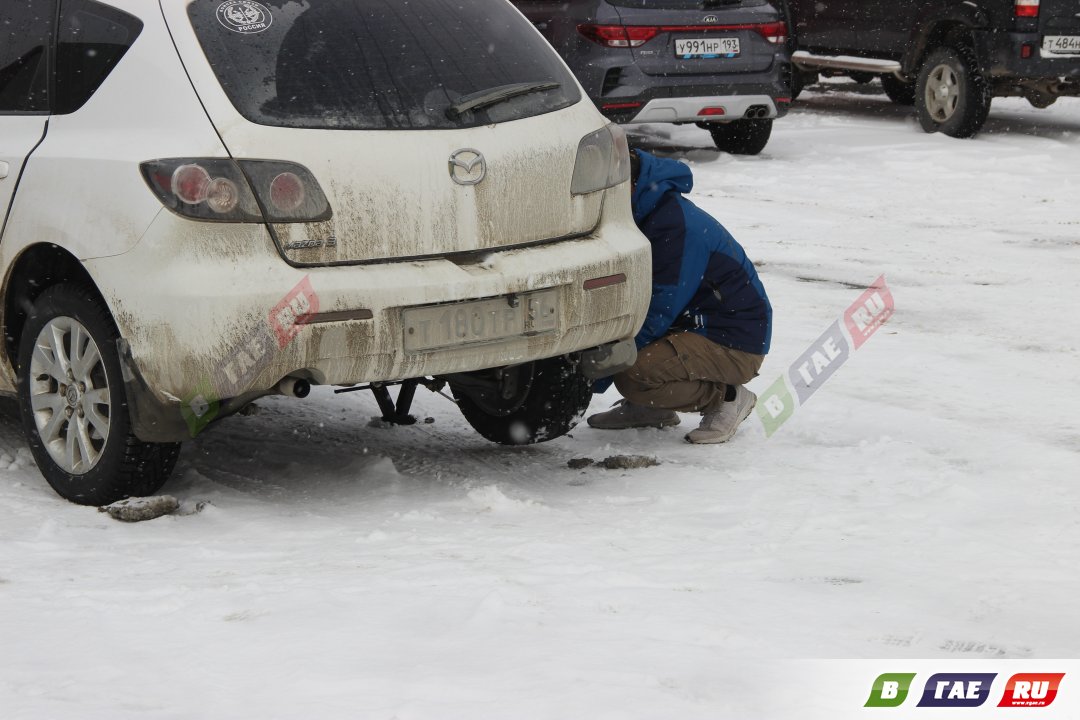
x,y
4,168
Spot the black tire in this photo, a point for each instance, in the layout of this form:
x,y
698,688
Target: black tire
x,y
124,466
900,92
951,97
800,79
863,78
797,84
742,137
556,402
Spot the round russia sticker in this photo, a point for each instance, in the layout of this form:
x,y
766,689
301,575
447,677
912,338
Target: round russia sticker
x,y
244,16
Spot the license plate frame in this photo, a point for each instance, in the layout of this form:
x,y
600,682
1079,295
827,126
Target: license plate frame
x,y
1061,45
478,322
706,48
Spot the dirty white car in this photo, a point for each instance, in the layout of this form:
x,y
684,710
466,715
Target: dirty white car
x,y
208,201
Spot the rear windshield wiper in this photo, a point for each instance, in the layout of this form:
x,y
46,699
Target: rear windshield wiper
x,y
496,95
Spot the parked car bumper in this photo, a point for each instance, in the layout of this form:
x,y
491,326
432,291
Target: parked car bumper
x,y
684,102
1003,53
211,331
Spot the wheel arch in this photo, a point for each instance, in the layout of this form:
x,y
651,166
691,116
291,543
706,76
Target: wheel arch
x,y
37,268
956,24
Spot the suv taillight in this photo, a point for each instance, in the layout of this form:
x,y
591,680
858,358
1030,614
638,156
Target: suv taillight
x,y
619,36
220,190
1026,8
626,36
776,33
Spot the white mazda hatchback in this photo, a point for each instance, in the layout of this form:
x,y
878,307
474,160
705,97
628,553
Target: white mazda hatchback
x,y
208,201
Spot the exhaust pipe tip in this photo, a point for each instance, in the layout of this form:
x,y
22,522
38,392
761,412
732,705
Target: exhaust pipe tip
x,y
294,387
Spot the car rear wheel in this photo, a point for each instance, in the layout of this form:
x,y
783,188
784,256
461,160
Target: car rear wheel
x,y
742,137
951,97
900,92
863,78
555,403
74,407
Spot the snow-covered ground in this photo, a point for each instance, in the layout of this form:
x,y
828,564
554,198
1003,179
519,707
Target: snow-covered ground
x,y
924,503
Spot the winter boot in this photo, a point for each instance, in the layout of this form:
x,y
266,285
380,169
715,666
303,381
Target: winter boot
x,y
720,426
625,414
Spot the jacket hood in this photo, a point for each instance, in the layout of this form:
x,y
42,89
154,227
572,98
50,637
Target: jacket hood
x,y
658,176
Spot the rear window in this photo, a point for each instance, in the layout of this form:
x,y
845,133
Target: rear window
x,y
379,64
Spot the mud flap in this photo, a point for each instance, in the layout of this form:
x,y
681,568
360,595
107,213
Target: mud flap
x,y
151,420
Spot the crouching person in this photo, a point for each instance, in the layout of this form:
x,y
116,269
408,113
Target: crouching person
x,y
709,323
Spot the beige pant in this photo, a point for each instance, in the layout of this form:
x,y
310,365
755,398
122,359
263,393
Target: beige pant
x,y
686,372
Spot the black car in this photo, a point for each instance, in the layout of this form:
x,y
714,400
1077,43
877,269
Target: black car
x,y
722,64
947,57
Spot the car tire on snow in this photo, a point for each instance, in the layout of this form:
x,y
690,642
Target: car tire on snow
x,y
556,402
951,97
74,407
900,92
742,137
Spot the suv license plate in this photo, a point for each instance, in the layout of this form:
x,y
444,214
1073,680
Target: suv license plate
x,y
479,321
706,48
1062,44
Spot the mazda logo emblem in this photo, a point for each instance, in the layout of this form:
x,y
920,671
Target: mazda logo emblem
x,y
467,167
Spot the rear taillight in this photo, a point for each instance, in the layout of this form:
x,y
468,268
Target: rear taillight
x,y
1026,8
619,36
220,190
603,161
628,36
776,33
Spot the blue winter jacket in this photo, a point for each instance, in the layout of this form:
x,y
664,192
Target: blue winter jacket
x,y
702,280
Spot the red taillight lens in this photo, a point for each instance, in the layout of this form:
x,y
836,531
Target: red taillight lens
x,y
618,36
776,33
1026,8
190,183
287,192
623,36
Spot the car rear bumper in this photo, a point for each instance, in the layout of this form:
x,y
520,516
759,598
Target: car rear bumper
x,y
707,109
1003,59
208,335
683,103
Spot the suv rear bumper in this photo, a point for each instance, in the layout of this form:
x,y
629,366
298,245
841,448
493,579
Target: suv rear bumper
x,y
1003,60
688,109
204,338
683,103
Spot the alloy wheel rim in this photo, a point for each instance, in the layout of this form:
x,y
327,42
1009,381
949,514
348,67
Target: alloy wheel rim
x,y
942,93
69,395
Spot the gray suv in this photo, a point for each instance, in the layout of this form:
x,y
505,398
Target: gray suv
x,y
722,64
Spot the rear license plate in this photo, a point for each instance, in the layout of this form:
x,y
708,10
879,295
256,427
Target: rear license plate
x,y
480,321
1062,44
689,48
